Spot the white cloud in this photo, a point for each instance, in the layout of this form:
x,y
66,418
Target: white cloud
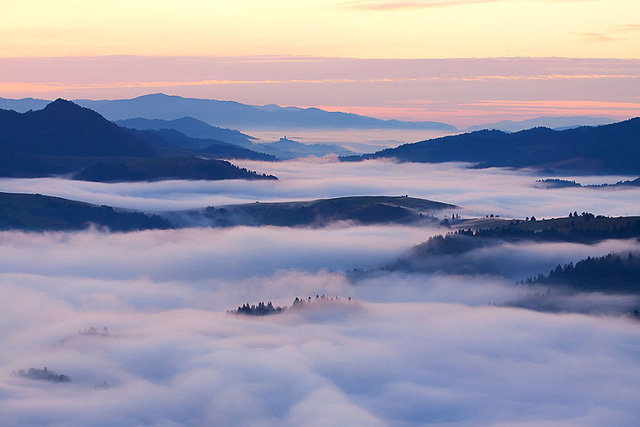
x,y
421,349
479,192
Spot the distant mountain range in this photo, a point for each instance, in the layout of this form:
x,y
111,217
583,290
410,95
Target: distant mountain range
x,y
155,110
607,149
230,114
66,139
197,130
237,115
557,123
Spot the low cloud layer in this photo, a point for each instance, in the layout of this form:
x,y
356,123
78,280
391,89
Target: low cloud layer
x,y
419,349
412,363
478,192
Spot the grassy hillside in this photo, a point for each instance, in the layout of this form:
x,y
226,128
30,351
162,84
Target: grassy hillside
x,y
361,209
44,213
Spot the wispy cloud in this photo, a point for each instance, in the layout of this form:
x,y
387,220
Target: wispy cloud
x,y
26,87
398,5
611,34
595,37
384,5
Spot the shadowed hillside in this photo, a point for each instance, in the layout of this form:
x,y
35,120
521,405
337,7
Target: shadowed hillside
x,y
613,149
66,139
317,213
34,212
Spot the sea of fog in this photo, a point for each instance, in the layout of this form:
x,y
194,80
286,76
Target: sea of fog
x,y
411,350
357,140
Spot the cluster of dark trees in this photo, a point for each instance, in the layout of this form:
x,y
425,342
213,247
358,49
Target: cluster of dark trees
x,y
301,302
43,375
439,253
563,183
558,183
562,230
262,309
613,273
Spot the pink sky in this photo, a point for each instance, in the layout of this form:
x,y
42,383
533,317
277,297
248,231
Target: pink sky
x,y
458,91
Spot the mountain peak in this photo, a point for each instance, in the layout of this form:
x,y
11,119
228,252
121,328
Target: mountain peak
x,y
62,103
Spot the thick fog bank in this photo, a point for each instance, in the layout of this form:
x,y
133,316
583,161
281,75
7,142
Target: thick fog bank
x,y
138,321
417,349
501,192
385,364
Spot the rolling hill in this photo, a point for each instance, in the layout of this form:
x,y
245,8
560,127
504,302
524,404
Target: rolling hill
x,y
318,213
191,127
607,149
34,212
67,139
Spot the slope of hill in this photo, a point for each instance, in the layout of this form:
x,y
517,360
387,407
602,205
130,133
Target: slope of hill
x,y
63,128
193,168
557,123
64,138
611,273
34,212
173,142
611,149
449,252
198,135
234,114
318,213
191,127
563,183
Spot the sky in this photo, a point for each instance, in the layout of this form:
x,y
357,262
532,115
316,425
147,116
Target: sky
x,y
462,61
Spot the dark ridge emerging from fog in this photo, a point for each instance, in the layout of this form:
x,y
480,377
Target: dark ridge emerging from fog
x,y
237,115
173,143
447,253
34,212
193,168
608,149
319,213
66,139
557,123
563,183
42,213
612,273
191,127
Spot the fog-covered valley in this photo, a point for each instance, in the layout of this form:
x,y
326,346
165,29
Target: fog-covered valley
x,y
417,347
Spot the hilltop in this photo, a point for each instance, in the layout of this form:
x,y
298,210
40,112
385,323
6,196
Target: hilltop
x,y
607,149
67,139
